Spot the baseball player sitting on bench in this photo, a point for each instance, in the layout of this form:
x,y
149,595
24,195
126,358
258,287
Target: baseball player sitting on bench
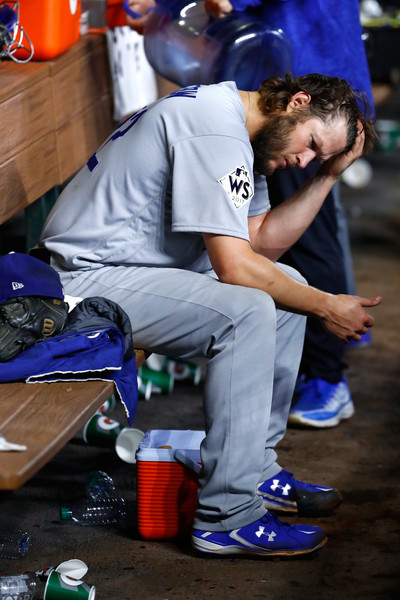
x,y
170,219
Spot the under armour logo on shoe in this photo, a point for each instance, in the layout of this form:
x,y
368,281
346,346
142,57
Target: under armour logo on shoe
x,y
285,489
17,286
261,531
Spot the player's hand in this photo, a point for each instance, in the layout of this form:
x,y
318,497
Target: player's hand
x,y
218,8
346,318
142,7
336,165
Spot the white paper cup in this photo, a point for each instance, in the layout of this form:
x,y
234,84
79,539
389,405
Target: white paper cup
x,y
127,443
63,587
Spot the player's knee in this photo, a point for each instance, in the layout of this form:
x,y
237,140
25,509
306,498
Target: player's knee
x,y
253,304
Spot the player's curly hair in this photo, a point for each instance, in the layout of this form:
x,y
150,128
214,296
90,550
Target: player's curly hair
x,y
331,97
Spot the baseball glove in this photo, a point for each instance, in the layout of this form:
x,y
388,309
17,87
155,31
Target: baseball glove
x,y
25,320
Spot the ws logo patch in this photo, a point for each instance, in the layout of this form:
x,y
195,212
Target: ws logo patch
x,y
238,186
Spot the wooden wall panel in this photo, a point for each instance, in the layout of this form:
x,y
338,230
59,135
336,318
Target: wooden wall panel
x,y
28,175
18,77
26,117
55,114
80,84
77,141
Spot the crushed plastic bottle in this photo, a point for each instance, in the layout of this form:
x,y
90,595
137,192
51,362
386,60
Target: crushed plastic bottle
x,y
87,512
99,485
14,543
24,586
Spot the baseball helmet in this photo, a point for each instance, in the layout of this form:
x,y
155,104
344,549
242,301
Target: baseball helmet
x,y
12,35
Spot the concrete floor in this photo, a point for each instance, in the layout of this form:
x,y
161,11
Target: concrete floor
x,y
361,457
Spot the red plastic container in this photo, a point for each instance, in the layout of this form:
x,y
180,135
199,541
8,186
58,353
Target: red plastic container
x,y
52,25
166,489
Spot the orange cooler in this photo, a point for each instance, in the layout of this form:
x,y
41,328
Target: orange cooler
x,y
167,489
52,25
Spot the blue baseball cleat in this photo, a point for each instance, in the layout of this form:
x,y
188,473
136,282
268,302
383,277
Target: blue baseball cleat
x,y
365,341
284,493
321,404
266,537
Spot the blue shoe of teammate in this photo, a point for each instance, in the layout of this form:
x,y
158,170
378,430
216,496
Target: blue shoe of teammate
x,y
266,537
321,404
284,493
365,341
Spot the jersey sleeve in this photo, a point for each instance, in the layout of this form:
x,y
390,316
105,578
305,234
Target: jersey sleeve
x,y
260,203
212,185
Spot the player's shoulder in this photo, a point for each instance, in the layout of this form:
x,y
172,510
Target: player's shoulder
x,y
197,96
197,111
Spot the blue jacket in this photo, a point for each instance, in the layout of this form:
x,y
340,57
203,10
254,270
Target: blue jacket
x,y
325,36
96,345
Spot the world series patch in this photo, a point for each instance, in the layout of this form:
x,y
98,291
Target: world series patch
x,y
238,186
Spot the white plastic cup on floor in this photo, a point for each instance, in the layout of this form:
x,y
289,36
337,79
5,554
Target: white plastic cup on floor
x,y
65,582
127,443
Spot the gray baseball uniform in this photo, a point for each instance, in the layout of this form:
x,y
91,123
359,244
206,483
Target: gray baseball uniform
x,y
129,227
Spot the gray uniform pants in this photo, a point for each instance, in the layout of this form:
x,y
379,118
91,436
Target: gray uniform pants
x,y
253,353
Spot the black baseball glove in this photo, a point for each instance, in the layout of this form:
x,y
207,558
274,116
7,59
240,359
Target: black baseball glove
x,y
25,320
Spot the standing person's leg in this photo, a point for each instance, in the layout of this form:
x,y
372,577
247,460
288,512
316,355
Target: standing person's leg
x,y
317,256
324,399
344,241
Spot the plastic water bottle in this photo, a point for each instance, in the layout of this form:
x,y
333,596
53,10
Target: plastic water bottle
x,y
108,511
14,543
25,586
99,485
187,46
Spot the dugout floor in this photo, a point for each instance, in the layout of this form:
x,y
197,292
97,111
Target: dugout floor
x,y
361,457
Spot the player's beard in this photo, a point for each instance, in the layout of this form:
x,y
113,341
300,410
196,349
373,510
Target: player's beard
x,y
272,140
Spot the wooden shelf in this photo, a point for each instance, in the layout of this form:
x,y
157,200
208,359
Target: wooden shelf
x,y
55,114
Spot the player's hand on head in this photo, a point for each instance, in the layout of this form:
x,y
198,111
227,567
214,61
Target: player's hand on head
x,y
336,165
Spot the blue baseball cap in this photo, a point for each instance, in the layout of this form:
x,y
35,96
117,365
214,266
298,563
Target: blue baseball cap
x,y
24,275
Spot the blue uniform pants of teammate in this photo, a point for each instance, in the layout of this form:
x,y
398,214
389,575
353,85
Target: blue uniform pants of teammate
x,y
322,255
253,352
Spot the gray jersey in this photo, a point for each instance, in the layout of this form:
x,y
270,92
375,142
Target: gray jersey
x,y
170,172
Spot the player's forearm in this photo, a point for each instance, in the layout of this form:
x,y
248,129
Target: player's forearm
x,y
247,268
288,293
236,263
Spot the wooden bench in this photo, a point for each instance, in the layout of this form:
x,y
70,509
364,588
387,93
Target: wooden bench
x,y
44,417
56,114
